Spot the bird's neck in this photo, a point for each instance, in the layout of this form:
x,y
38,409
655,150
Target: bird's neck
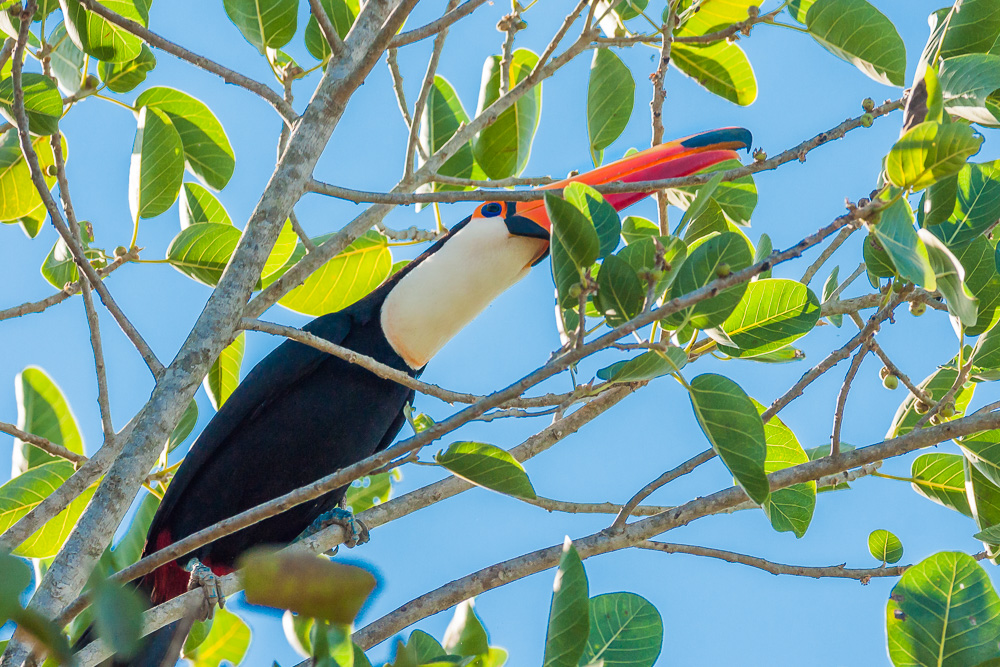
x,y
439,297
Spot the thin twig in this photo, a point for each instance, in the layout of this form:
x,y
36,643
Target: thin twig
x,y
43,444
509,26
656,105
425,90
69,290
892,368
864,575
301,233
949,396
628,509
845,388
498,183
228,75
327,28
423,32
391,60
835,294
838,241
38,179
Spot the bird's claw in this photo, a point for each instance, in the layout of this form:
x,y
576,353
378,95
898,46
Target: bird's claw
x,y
357,531
202,577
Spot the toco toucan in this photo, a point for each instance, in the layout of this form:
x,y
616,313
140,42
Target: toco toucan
x,y
302,414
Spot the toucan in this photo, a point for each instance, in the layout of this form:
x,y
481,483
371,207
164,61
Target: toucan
x,y
302,414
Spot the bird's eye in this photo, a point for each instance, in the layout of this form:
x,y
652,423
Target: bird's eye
x,y
492,209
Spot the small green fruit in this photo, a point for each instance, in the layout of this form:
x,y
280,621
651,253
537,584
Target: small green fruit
x,y
890,382
121,251
917,308
575,291
51,170
723,270
947,410
868,104
867,120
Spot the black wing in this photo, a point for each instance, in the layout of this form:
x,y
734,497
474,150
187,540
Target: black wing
x,y
288,364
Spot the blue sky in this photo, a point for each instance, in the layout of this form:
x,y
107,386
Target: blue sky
x,y
713,612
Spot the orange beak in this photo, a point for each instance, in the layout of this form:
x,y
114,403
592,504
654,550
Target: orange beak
x,y
682,157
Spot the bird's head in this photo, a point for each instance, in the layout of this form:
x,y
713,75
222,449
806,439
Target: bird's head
x,y
682,157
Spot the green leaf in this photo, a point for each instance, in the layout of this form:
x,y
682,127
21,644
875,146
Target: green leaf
x,y
15,576
626,630
789,509
829,287
641,255
184,427
125,76
227,641
877,262
224,375
783,356
943,611
101,39
487,466
157,167
941,478
200,205
443,115
937,385
42,102
726,251
733,426
59,267
426,647
853,30
635,229
984,499
575,245
203,251
710,220
763,251
646,366
21,494
736,198
610,98
772,314
988,355
885,547
502,149
620,293
350,275
20,198
973,27
929,152
342,14
117,611
129,547
66,61
42,410
938,203
967,82
950,277
983,451
282,251
604,216
307,585
466,635
569,620
714,15
264,23
975,204
721,68
895,233
368,492
207,151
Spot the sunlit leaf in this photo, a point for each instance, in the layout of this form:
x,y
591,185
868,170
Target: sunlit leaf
x,y
227,641
855,31
264,23
885,547
773,313
721,68
200,205
967,82
100,38
203,251
610,98
502,148
569,621
930,152
487,466
42,102
941,478
646,366
126,76
42,410
721,254
626,630
224,375
342,14
789,509
157,167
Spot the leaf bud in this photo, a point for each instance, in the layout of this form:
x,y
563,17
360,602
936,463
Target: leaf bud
x,y
921,407
92,82
868,104
867,120
723,270
917,308
864,201
759,155
890,382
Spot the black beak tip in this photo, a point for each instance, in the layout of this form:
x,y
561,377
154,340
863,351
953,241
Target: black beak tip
x,y
726,135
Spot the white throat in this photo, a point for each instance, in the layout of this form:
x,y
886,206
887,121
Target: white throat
x,y
435,300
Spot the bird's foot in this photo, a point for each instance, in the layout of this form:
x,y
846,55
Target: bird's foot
x,y
357,531
202,577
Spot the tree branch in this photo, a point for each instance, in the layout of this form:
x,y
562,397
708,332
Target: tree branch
x,y
44,444
69,290
327,28
423,32
229,76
